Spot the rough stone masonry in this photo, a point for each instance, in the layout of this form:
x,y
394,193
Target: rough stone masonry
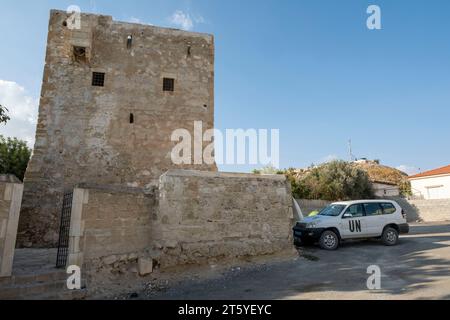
x,y
112,94
193,217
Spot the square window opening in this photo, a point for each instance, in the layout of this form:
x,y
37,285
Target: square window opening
x,y
168,84
98,79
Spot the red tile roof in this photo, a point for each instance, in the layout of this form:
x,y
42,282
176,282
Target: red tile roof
x,y
435,172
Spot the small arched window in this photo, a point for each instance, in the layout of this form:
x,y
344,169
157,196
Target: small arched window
x,y
129,41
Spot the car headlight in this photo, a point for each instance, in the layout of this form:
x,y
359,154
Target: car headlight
x,y
312,225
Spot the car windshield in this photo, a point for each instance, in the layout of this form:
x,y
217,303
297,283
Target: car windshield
x,y
332,210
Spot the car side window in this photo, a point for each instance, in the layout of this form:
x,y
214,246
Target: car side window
x,y
355,210
373,209
388,208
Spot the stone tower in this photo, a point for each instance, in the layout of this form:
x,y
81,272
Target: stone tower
x,y
112,95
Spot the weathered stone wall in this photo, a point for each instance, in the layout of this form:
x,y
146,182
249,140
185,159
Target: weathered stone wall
x,y
193,217
84,133
112,221
203,215
10,200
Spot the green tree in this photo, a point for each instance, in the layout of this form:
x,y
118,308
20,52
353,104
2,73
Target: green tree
x,y
405,188
296,187
3,114
14,156
334,181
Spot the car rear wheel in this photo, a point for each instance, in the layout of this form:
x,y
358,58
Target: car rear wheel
x,y
329,240
390,236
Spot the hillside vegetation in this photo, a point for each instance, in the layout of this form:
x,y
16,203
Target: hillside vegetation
x,y
378,172
340,180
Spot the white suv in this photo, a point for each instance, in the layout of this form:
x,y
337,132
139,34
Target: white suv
x,y
360,219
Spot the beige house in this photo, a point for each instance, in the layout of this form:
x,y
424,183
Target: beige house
x,y
433,184
385,189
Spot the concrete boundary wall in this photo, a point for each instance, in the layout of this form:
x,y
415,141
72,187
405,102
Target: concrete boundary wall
x,y
432,210
425,210
416,210
10,202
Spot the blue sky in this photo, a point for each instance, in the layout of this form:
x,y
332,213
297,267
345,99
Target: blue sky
x,y
309,68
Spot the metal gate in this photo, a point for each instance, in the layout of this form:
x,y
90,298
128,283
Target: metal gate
x,y
63,243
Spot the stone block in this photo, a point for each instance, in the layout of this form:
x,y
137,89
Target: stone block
x,y
145,266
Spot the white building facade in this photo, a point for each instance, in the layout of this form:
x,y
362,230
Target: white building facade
x,y
434,184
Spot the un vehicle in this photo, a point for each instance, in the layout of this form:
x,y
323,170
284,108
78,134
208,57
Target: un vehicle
x,y
362,219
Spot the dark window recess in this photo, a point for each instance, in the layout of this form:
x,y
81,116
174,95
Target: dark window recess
x,y
168,84
131,118
129,41
79,53
98,79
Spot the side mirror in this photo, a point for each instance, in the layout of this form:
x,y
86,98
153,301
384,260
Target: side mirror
x,y
347,215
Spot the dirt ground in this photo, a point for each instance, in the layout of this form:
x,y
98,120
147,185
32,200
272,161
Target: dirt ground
x,y
417,268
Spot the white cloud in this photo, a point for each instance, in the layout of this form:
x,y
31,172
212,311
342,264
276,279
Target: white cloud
x,y
23,111
409,170
20,105
182,20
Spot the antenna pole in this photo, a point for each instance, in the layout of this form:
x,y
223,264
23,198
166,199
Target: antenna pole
x,y
350,152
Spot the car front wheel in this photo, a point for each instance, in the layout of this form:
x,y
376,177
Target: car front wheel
x,y
390,236
329,240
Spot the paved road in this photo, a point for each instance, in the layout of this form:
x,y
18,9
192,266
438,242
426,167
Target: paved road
x,y
417,268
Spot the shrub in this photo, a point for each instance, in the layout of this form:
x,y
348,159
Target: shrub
x,y
405,188
268,170
333,181
14,156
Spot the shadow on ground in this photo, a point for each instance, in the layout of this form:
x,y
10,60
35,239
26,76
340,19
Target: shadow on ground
x,y
417,268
